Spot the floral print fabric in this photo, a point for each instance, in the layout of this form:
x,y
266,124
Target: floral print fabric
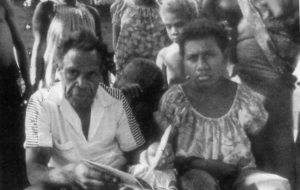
x,y
142,32
223,138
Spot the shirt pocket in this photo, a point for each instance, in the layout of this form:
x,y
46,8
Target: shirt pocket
x,y
64,153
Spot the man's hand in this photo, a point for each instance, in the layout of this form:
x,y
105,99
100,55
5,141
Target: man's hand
x,y
167,159
85,176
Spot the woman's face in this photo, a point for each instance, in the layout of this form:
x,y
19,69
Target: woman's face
x,y
204,61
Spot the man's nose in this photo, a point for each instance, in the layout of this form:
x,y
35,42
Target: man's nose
x,y
81,82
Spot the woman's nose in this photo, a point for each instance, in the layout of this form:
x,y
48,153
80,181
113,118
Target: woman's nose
x,y
202,64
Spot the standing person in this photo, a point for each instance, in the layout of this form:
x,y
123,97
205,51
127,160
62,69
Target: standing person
x,y
12,166
137,31
267,44
174,14
53,20
214,119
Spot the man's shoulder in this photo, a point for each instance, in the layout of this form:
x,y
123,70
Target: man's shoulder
x,y
51,93
112,92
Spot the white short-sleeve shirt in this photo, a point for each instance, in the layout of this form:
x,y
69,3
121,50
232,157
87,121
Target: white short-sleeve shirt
x,y
52,122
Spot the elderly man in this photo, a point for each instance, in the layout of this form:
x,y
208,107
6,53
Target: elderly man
x,y
79,118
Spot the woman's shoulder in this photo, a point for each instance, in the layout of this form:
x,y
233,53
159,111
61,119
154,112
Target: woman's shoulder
x,y
251,110
174,96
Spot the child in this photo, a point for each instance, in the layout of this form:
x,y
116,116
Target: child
x,y
142,83
174,14
137,31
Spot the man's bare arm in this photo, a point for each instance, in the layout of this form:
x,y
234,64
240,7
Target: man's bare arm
x,y
78,174
38,171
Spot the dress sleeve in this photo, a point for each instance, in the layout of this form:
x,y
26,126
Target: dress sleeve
x,y
37,122
116,11
170,109
129,134
252,113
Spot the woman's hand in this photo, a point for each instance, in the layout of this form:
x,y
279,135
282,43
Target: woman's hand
x,y
85,176
167,159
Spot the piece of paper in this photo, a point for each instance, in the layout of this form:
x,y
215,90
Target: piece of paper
x,y
126,179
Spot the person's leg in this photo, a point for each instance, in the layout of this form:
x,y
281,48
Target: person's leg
x,y
197,179
254,179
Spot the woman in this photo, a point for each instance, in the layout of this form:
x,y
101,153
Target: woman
x,y
53,20
212,117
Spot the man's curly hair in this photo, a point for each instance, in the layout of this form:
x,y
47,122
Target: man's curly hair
x,y
86,41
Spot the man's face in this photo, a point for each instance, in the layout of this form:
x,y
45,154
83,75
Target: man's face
x,y
174,25
204,61
80,77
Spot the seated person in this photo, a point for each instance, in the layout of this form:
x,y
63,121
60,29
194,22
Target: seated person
x,y
79,118
213,118
174,14
142,83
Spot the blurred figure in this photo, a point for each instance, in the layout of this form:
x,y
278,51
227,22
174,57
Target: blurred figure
x,y
12,168
137,31
52,22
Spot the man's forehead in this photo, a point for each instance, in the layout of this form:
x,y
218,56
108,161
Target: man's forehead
x,y
81,57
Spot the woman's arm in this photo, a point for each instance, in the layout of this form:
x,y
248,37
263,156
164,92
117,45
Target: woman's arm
x,y
219,170
115,32
20,48
40,24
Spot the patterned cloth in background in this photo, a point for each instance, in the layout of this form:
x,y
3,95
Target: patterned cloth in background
x,y
223,138
142,32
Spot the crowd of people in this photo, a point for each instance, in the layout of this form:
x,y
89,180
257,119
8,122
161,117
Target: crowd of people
x,y
171,62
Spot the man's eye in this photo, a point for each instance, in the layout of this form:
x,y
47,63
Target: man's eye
x,y
208,55
72,74
92,75
168,26
193,58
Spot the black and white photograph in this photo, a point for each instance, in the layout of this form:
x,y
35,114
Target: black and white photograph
x,y
149,95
